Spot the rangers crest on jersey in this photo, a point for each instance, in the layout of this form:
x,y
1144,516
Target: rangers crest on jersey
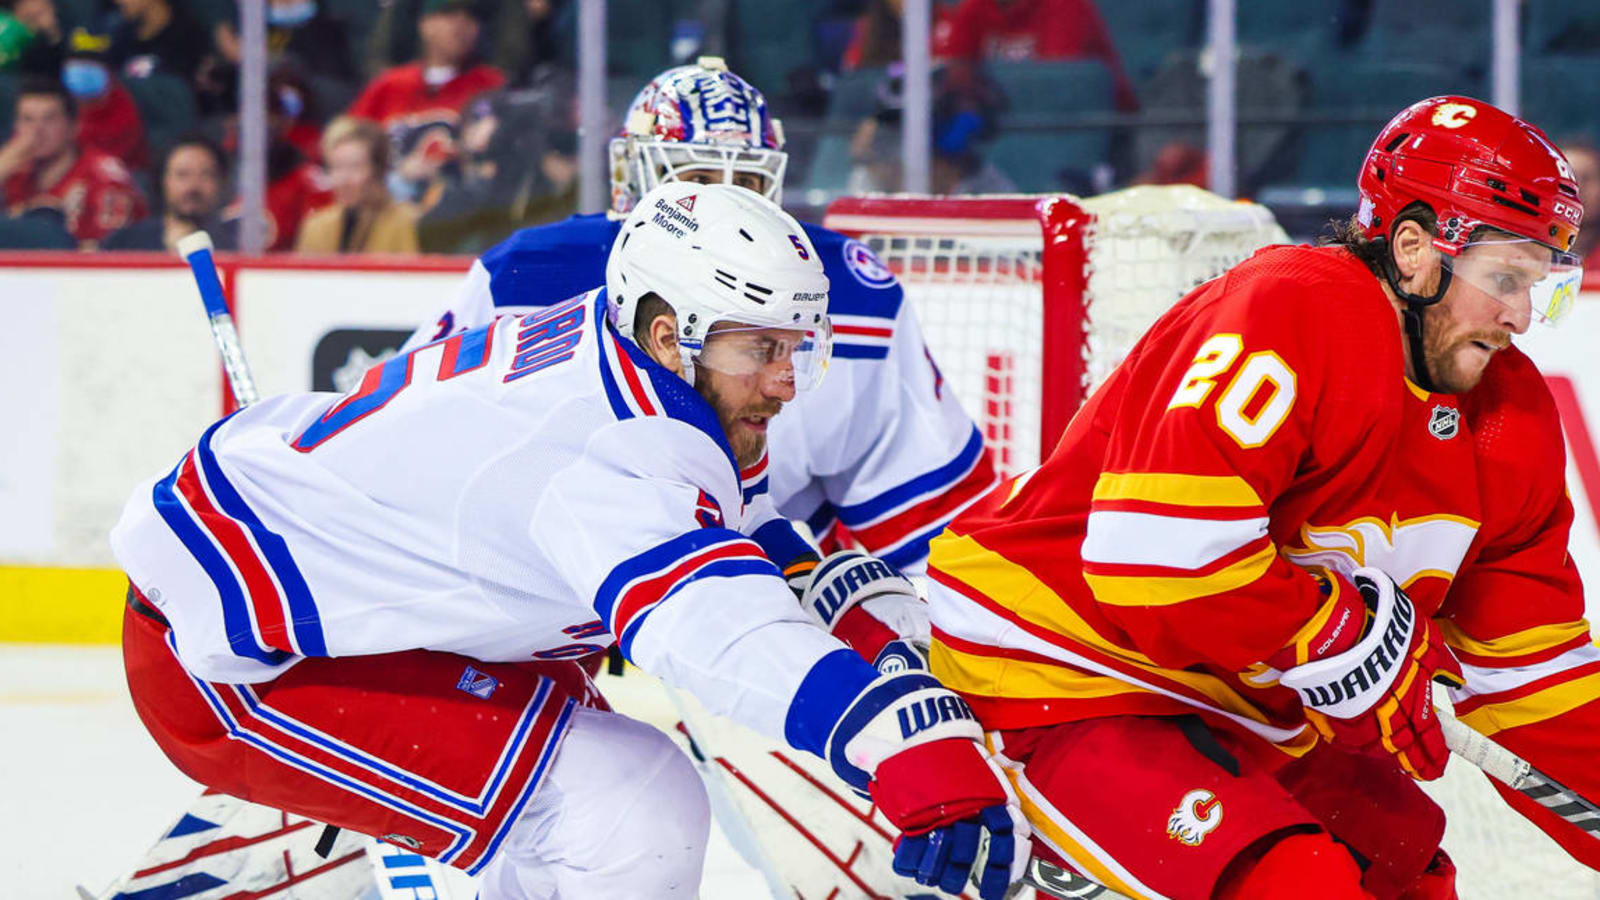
x,y
1197,815
865,265
478,684
1445,422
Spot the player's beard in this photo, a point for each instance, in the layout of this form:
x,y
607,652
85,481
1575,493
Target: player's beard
x,y
747,443
1455,361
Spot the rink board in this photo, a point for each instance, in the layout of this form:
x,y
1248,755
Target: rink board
x,y
108,373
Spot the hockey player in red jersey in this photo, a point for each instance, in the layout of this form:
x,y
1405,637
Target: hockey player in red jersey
x,y
1204,634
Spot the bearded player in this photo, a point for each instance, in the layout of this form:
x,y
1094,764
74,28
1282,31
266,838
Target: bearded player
x,y
1203,634
364,609
883,447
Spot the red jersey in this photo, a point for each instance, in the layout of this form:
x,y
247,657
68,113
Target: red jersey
x,y
111,123
1032,29
405,105
97,196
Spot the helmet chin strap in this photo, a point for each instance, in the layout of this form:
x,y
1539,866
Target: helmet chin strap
x,y
1411,314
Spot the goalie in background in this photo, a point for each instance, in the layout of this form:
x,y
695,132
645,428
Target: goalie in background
x,y
882,450
1203,635
366,610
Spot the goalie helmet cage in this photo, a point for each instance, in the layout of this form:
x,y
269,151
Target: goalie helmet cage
x,y
1028,302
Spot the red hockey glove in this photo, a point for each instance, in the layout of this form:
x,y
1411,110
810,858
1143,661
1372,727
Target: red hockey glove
x,y
1364,668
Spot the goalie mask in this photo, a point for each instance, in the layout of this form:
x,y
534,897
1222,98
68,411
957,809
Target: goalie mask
x,y
700,117
740,274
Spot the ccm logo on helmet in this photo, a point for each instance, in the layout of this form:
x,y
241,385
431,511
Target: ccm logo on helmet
x,y
1453,115
1566,210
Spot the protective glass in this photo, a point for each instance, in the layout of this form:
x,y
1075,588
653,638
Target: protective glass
x,y
788,354
1526,276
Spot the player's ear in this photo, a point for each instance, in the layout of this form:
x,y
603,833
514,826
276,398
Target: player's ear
x,y
1412,247
662,341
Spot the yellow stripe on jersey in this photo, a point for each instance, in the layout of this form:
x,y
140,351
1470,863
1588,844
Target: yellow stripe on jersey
x,y
1135,590
1520,643
998,676
1545,704
1019,591
1177,489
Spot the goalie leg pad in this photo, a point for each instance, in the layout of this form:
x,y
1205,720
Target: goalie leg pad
x,y
431,751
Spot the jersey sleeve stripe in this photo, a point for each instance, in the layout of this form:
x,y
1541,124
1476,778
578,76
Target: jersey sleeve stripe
x,y
1536,701
235,608
1144,539
860,351
870,512
638,584
1524,646
1155,590
1176,489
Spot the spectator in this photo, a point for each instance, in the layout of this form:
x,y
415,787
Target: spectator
x,y
158,36
419,104
302,38
39,50
108,119
191,191
876,39
965,105
296,185
1585,159
537,41
364,217
42,165
1032,29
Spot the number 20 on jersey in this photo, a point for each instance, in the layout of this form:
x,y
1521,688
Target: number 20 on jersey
x,y
1256,400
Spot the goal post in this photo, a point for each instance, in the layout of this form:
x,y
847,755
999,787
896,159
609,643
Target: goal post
x,y
1029,301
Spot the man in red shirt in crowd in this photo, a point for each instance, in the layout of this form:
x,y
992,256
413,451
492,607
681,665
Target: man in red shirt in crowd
x,y
43,165
1016,30
420,103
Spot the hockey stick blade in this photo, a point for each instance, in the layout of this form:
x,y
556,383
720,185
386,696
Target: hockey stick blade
x,y
1051,880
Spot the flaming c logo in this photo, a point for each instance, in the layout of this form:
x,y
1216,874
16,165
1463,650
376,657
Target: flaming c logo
x,y
1198,814
1453,115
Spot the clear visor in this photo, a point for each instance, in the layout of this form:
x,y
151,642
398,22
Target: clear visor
x,y
758,170
1529,278
788,355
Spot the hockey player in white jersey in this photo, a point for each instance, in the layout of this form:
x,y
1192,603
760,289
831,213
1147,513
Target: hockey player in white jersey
x,y
883,448
363,609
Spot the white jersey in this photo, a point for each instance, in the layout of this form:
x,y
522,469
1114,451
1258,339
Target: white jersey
x,y
881,447
531,489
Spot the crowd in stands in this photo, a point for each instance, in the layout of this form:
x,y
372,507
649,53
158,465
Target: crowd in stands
x,y
443,125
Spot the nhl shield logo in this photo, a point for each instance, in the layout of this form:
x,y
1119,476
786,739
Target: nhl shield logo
x,y
1198,814
1444,424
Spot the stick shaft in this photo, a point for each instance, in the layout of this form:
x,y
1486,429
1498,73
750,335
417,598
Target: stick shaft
x,y
206,280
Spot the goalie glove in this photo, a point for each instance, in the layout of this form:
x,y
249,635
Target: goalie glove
x,y
916,748
864,602
1364,669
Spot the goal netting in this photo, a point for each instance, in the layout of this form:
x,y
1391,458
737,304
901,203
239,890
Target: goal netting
x,y
1029,302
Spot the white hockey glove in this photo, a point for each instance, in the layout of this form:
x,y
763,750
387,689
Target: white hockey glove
x,y
864,602
932,777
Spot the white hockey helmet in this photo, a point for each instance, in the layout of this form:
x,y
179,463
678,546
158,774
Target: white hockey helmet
x,y
699,116
721,254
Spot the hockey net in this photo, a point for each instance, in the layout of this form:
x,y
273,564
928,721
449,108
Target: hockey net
x,y
1028,303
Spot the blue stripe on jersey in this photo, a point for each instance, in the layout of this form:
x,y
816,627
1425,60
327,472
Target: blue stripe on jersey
x,y
719,568
780,542
659,558
619,405
824,694
947,474
306,620
760,487
823,518
235,609
914,550
860,351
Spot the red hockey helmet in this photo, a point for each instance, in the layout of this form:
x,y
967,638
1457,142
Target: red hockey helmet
x,y
1474,165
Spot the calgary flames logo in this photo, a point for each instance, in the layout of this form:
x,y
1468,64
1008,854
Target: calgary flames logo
x,y
1198,814
1407,549
1453,115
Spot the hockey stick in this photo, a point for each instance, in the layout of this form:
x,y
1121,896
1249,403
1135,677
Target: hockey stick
x,y
196,250
393,872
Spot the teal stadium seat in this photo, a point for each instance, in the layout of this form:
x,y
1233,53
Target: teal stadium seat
x,y
770,39
1306,31
1453,33
1147,32
9,82
1561,95
34,233
638,37
1033,143
166,104
854,97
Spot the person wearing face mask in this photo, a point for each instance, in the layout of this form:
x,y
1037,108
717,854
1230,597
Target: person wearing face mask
x,y
301,35
108,119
